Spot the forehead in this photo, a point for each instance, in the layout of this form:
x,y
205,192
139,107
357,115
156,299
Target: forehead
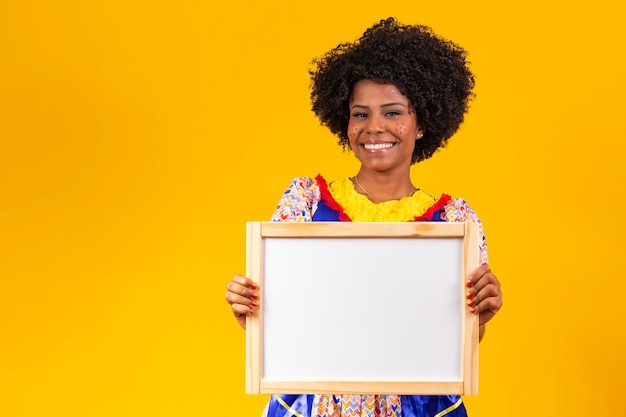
x,y
367,90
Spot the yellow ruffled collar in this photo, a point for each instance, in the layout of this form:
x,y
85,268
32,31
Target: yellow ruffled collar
x,y
360,209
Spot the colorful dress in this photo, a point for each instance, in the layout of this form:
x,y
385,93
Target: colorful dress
x,y
312,199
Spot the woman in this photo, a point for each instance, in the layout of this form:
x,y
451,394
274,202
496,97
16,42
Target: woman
x,y
393,97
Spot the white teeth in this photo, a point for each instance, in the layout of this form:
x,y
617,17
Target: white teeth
x,y
373,146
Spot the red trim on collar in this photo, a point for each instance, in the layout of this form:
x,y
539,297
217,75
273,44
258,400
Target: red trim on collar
x,y
329,200
428,215
343,216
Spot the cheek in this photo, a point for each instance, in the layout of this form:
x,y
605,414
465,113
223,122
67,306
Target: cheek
x,y
400,129
353,132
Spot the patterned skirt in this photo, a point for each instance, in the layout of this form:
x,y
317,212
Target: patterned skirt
x,y
365,406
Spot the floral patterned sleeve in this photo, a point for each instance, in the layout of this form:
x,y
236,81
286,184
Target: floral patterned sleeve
x,y
299,201
458,210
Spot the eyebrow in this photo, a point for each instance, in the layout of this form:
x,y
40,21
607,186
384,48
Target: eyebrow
x,y
395,103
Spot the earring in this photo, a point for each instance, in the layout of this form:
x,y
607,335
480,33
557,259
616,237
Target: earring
x,y
419,135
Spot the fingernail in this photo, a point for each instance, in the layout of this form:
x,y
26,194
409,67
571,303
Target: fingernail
x,y
469,294
251,312
253,286
253,304
254,296
468,283
470,303
473,310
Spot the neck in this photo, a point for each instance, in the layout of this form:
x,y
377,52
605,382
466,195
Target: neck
x,y
381,188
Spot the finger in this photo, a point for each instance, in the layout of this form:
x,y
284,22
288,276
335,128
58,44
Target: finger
x,y
489,298
477,274
489,304
481,279
234,298
487,309
489,291
245,281
240,310
242,290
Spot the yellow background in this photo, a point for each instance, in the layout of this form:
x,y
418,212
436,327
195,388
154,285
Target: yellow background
x,y
137,138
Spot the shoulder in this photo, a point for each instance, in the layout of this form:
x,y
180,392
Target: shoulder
x,y
299,200
458,210
302,188
303,184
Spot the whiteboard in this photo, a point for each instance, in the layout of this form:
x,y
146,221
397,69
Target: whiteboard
x,y
362,308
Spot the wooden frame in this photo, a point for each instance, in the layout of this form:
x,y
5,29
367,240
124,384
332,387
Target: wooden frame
x,y
413,333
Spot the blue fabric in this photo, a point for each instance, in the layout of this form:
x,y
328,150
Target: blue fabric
x,y
430,405
325,213
412,405
437,216
302,404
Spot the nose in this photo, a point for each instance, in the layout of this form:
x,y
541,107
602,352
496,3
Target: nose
x,y
375,124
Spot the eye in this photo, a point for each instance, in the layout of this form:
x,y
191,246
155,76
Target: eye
x,y
393,113
359,115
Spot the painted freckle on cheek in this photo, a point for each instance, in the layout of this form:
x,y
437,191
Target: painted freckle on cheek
x,y
401,128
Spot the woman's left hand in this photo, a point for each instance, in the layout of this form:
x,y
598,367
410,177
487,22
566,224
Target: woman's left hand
x,y
484,296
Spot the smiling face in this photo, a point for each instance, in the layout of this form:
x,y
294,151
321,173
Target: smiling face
x,y
383,127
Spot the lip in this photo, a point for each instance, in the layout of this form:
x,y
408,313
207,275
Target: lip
x,y
377,146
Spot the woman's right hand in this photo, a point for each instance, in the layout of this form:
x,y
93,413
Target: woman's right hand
x,y
243,298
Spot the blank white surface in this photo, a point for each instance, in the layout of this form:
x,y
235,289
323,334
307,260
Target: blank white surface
x,y
373,309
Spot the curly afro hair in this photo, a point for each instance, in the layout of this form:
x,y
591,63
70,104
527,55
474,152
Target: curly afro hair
x,y
430,71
